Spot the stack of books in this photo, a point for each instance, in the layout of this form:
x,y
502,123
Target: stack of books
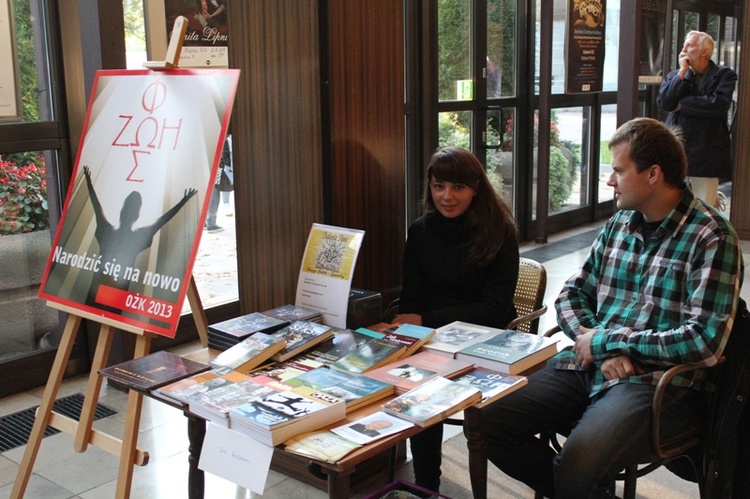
x,y
433,401
291,313
301,336
249,353
276,418
406,374
224,335
153,370
508,351
343,342
455,336
215,404
492,384
373,354
355,389
411,336
277,374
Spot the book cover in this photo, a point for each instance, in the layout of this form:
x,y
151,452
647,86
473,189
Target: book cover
x,y
210,381
509,351
215,404
492,384
433,401
277,374
343,342
299,401
354,389
153,370
278,417
371,428
412,371
322,445
249,353
291,313
301,336
421,334
455,336
415,331
177,392
371,355
239,328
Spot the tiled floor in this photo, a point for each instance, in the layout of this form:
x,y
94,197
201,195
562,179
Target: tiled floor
x,y
59,472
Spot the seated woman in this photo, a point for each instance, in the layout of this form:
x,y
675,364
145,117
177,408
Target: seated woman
x,y
460,264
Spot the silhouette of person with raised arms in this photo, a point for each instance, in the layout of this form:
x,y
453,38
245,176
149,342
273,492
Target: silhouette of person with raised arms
x,y
121,245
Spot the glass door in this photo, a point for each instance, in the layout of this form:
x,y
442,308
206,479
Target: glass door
x,y
34,159
477,80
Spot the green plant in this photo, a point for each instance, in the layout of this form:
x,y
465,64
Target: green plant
x,y
23,194
560,179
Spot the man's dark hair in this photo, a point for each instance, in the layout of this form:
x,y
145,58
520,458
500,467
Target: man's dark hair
x,y
654,143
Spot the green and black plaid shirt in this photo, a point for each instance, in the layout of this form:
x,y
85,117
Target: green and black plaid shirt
x,y
665,301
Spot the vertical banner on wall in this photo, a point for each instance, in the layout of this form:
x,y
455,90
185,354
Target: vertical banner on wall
x,y
325,277
206,40
653,38
10,89
584,46
140,190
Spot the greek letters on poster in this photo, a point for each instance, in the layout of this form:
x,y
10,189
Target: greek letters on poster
x,y
143,177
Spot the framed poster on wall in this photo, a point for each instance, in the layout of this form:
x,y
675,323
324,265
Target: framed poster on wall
x,y
584,46
10,87
141,186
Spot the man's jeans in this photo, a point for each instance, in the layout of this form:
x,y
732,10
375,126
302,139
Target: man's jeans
x,y
613,431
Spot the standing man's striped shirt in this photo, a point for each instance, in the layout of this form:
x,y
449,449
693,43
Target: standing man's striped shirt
x,y
664,301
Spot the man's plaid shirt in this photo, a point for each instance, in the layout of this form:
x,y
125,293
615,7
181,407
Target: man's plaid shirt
x,y
662,302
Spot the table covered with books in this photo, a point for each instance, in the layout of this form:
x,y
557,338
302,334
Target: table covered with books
x,y
332,403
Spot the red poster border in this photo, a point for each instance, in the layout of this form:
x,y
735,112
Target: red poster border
x,y
126,322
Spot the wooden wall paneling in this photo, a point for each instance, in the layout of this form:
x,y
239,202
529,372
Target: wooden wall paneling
x,y
276,144
366,57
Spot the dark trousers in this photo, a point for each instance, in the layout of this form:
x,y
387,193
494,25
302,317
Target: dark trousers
x,y
427,455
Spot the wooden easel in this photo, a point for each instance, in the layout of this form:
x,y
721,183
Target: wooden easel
x,y
82,430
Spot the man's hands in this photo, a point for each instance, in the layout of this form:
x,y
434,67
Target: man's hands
x,y
582,347
684,61
618,367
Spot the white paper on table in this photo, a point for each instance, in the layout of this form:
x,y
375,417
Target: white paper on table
x,y
325,276
236,457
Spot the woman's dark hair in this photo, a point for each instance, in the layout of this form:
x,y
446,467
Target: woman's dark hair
x,y
489,219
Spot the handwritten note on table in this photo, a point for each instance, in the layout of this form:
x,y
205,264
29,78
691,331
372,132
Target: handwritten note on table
x,y
235,457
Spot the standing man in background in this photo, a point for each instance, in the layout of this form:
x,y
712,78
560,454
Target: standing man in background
x,y
697,96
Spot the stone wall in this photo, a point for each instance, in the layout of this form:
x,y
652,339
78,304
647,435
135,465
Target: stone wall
x,y
25,319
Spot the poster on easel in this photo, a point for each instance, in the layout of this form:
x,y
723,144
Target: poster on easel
x,y
325,277
140,190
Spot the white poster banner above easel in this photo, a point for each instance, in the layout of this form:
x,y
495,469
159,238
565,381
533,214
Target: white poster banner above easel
x,y
206,40
325,277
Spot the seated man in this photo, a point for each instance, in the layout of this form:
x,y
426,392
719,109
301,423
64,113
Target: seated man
x,y
659,287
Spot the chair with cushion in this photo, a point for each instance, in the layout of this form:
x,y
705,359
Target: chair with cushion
x,y
529,303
